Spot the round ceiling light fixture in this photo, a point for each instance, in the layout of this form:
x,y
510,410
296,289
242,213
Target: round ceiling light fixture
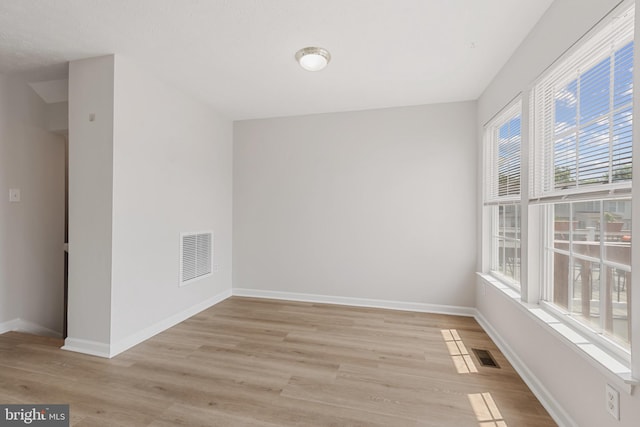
x,y
313,58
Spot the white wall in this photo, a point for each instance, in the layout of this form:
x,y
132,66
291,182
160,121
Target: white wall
x,y
374,204
58,117
31,231
90,199
571,381
172,173
154,163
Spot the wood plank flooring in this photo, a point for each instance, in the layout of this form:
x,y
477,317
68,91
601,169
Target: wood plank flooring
x,y
257,362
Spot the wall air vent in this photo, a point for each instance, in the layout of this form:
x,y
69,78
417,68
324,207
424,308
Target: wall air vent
x,y
196,256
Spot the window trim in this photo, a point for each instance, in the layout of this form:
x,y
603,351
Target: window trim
x,y
539,197
612,348
514,108
490,172
543,190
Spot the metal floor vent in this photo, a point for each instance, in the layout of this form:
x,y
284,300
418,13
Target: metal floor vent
x,y
485,358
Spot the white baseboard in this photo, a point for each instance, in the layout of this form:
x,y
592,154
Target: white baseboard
x,y
556,411
145,334
9,325
359,302
20,325
92,348
34,328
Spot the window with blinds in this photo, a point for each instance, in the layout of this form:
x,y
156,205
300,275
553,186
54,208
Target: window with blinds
x,y
581,175
502,145
502,156
582,117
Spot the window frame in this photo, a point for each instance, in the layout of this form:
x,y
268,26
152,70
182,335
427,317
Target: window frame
x,y
563,70
492,199
539,199
596,333
620,364
496,236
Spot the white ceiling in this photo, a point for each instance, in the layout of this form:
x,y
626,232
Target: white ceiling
x,y
238,55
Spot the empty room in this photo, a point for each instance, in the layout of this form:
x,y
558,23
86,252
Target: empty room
x,y
319,213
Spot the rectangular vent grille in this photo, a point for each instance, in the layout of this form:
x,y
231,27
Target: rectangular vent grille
x,y
196,255
485,358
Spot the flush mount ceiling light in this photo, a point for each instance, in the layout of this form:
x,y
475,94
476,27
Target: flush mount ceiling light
x,y
313,58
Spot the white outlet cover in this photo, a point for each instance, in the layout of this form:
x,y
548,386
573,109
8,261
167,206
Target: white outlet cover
x,y
612,397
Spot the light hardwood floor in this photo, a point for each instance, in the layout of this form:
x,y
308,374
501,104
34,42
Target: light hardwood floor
x,y
257,362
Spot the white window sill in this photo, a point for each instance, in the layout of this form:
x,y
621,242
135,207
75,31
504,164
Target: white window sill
x,y
579,343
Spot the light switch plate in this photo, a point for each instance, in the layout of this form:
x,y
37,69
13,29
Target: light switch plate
x,y
14,195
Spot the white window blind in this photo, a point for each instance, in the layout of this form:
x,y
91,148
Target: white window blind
x,y
502,156
582,116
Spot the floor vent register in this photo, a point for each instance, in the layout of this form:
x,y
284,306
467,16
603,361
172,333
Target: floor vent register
x,y
485,358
